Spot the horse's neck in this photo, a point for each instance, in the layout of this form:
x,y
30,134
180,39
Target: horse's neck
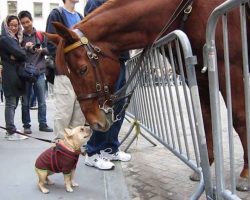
x,y
135,24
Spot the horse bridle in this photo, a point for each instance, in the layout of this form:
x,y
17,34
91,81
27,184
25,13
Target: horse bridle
x,y
102,89
92,52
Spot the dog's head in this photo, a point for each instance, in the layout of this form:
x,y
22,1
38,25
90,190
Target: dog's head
x,y
78,136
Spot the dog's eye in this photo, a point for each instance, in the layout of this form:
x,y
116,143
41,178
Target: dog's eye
x,y
82,129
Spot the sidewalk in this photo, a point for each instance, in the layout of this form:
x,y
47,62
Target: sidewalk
x,y
18,179
154,173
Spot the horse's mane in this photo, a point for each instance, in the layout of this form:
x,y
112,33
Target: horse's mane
x,y
110,4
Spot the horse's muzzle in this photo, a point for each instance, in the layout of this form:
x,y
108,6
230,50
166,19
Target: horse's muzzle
x,y
108,115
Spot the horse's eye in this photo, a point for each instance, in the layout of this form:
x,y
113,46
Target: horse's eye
x,y
83,70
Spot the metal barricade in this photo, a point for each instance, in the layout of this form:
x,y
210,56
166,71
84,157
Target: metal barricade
x,y
166,104
220,13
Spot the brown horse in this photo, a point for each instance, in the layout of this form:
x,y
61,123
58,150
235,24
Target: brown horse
x,y
117,26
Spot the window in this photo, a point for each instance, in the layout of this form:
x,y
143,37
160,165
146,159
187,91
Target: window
x,y
12,7
53,5
38,9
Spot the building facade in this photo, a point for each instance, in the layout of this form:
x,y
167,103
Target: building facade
x,y
39,9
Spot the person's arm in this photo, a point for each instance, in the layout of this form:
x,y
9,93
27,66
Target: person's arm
x,y
53,16
12,49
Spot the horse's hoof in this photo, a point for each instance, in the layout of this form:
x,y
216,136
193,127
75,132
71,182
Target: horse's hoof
x,y
242,184
195,177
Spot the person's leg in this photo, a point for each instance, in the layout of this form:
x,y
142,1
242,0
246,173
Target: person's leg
x,y
25,107
109,139
112,138
99,141
78,118
10,107
1,95
64,104
39,90
33,96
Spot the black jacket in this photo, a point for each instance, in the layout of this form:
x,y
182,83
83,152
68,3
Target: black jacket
x,y
12,84
37,59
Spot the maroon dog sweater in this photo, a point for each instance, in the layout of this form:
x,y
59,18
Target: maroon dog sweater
x,y
57,159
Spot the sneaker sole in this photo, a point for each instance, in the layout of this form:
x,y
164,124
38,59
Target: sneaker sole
x,y
116,159
90,165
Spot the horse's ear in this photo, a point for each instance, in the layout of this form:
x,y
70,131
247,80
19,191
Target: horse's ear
x,y
64,32
55,38
61,65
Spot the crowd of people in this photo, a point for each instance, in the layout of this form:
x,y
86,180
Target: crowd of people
x,y
21,43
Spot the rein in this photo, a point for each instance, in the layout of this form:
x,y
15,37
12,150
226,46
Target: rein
x,y
41,139
186,8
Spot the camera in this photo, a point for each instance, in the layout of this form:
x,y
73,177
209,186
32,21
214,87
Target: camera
x,y
36,46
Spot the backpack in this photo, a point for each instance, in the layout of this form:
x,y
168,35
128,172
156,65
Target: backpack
x,y
49,62
40,36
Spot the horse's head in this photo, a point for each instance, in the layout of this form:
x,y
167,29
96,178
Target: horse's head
x,y
93,71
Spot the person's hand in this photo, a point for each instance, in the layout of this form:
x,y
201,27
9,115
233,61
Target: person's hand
x,y
28,45
12,57
38,50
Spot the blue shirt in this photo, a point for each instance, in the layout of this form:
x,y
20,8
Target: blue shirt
x,y
72,18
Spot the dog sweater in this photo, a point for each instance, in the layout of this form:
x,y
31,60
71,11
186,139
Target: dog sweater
x,y
57,159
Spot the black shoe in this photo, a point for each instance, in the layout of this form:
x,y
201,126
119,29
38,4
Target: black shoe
x,y
45,129
27,131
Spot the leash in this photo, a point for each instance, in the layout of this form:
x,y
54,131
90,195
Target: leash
x,y
20,133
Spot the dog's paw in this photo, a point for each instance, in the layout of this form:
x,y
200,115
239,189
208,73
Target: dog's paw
x,y
74,184
44,190
69,189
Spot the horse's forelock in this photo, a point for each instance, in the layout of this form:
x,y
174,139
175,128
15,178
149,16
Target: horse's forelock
x,y
103,8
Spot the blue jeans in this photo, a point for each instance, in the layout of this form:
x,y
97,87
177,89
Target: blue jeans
x,y
32,97
99,140
11,103
39,89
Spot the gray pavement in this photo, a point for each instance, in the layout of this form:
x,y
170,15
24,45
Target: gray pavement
x,y
18,179
154,173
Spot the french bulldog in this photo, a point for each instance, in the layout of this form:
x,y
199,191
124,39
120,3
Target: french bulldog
x,y
62,157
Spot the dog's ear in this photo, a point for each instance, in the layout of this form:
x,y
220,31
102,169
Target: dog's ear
x,y
68,131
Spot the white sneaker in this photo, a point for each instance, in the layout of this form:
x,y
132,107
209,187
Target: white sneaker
x,y
15,137
119,155
99,162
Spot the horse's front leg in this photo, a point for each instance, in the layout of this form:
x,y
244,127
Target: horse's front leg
x,y
240,127
206,113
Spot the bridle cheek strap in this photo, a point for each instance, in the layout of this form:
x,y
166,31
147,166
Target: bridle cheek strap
x,y
102,90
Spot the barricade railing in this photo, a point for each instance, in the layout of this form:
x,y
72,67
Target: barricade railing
x,y
221,13
169,109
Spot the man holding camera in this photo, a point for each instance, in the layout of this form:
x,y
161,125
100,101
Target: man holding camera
x,y
33,42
